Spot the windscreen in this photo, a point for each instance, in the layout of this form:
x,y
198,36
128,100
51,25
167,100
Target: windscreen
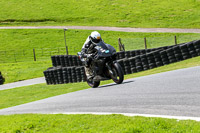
x,y
102,45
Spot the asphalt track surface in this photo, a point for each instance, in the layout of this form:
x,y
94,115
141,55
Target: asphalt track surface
x,y
174,93
22,83
123,29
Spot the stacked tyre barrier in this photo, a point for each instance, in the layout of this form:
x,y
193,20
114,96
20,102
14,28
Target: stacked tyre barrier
x,y
133,53
1,79
64,75
160,57
69,69
65,60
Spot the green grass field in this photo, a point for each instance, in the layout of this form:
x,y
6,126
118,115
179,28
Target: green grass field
x,y
131,13
94,123
27,39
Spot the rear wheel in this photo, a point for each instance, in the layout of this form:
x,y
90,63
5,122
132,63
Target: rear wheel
x,y
118,75
93,84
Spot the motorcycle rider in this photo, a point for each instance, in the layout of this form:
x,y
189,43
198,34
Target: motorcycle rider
x,y
87,51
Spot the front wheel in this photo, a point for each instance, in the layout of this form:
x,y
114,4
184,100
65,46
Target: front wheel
x,y
117,75
93,84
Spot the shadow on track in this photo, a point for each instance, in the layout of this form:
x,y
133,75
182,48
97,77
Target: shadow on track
x,y
125,82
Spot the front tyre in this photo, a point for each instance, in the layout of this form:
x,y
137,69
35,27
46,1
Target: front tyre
x,y
118,75
93,84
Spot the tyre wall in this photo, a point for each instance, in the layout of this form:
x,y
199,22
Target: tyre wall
x,y
1,79
69,69
63,75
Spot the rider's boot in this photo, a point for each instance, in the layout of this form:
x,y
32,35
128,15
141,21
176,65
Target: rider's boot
x,y
88,73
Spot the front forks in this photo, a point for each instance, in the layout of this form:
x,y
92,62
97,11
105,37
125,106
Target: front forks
x,y
109,69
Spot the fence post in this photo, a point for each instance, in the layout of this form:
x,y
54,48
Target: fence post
x,y
121,46
119,43
145,43
175,39
34,54
66,42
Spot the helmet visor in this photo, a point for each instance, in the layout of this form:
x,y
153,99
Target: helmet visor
x,y
96,40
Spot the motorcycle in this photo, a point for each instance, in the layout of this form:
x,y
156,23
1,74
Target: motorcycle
x,y
103,64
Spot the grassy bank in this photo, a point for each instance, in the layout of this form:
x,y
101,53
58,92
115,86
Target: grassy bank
x,y
94,123
132,13
26,39
13,72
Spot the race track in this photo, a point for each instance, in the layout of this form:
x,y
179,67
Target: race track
x,y
174,93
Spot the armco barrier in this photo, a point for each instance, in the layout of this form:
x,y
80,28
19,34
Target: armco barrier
x,y
69,69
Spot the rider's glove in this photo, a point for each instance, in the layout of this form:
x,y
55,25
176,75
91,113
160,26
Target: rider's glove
x,y
88,59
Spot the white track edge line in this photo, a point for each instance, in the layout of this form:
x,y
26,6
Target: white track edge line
x,y
132,114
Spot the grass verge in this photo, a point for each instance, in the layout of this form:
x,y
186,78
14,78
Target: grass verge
x,y
36,92
132,13
17,40
94,123
13,72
